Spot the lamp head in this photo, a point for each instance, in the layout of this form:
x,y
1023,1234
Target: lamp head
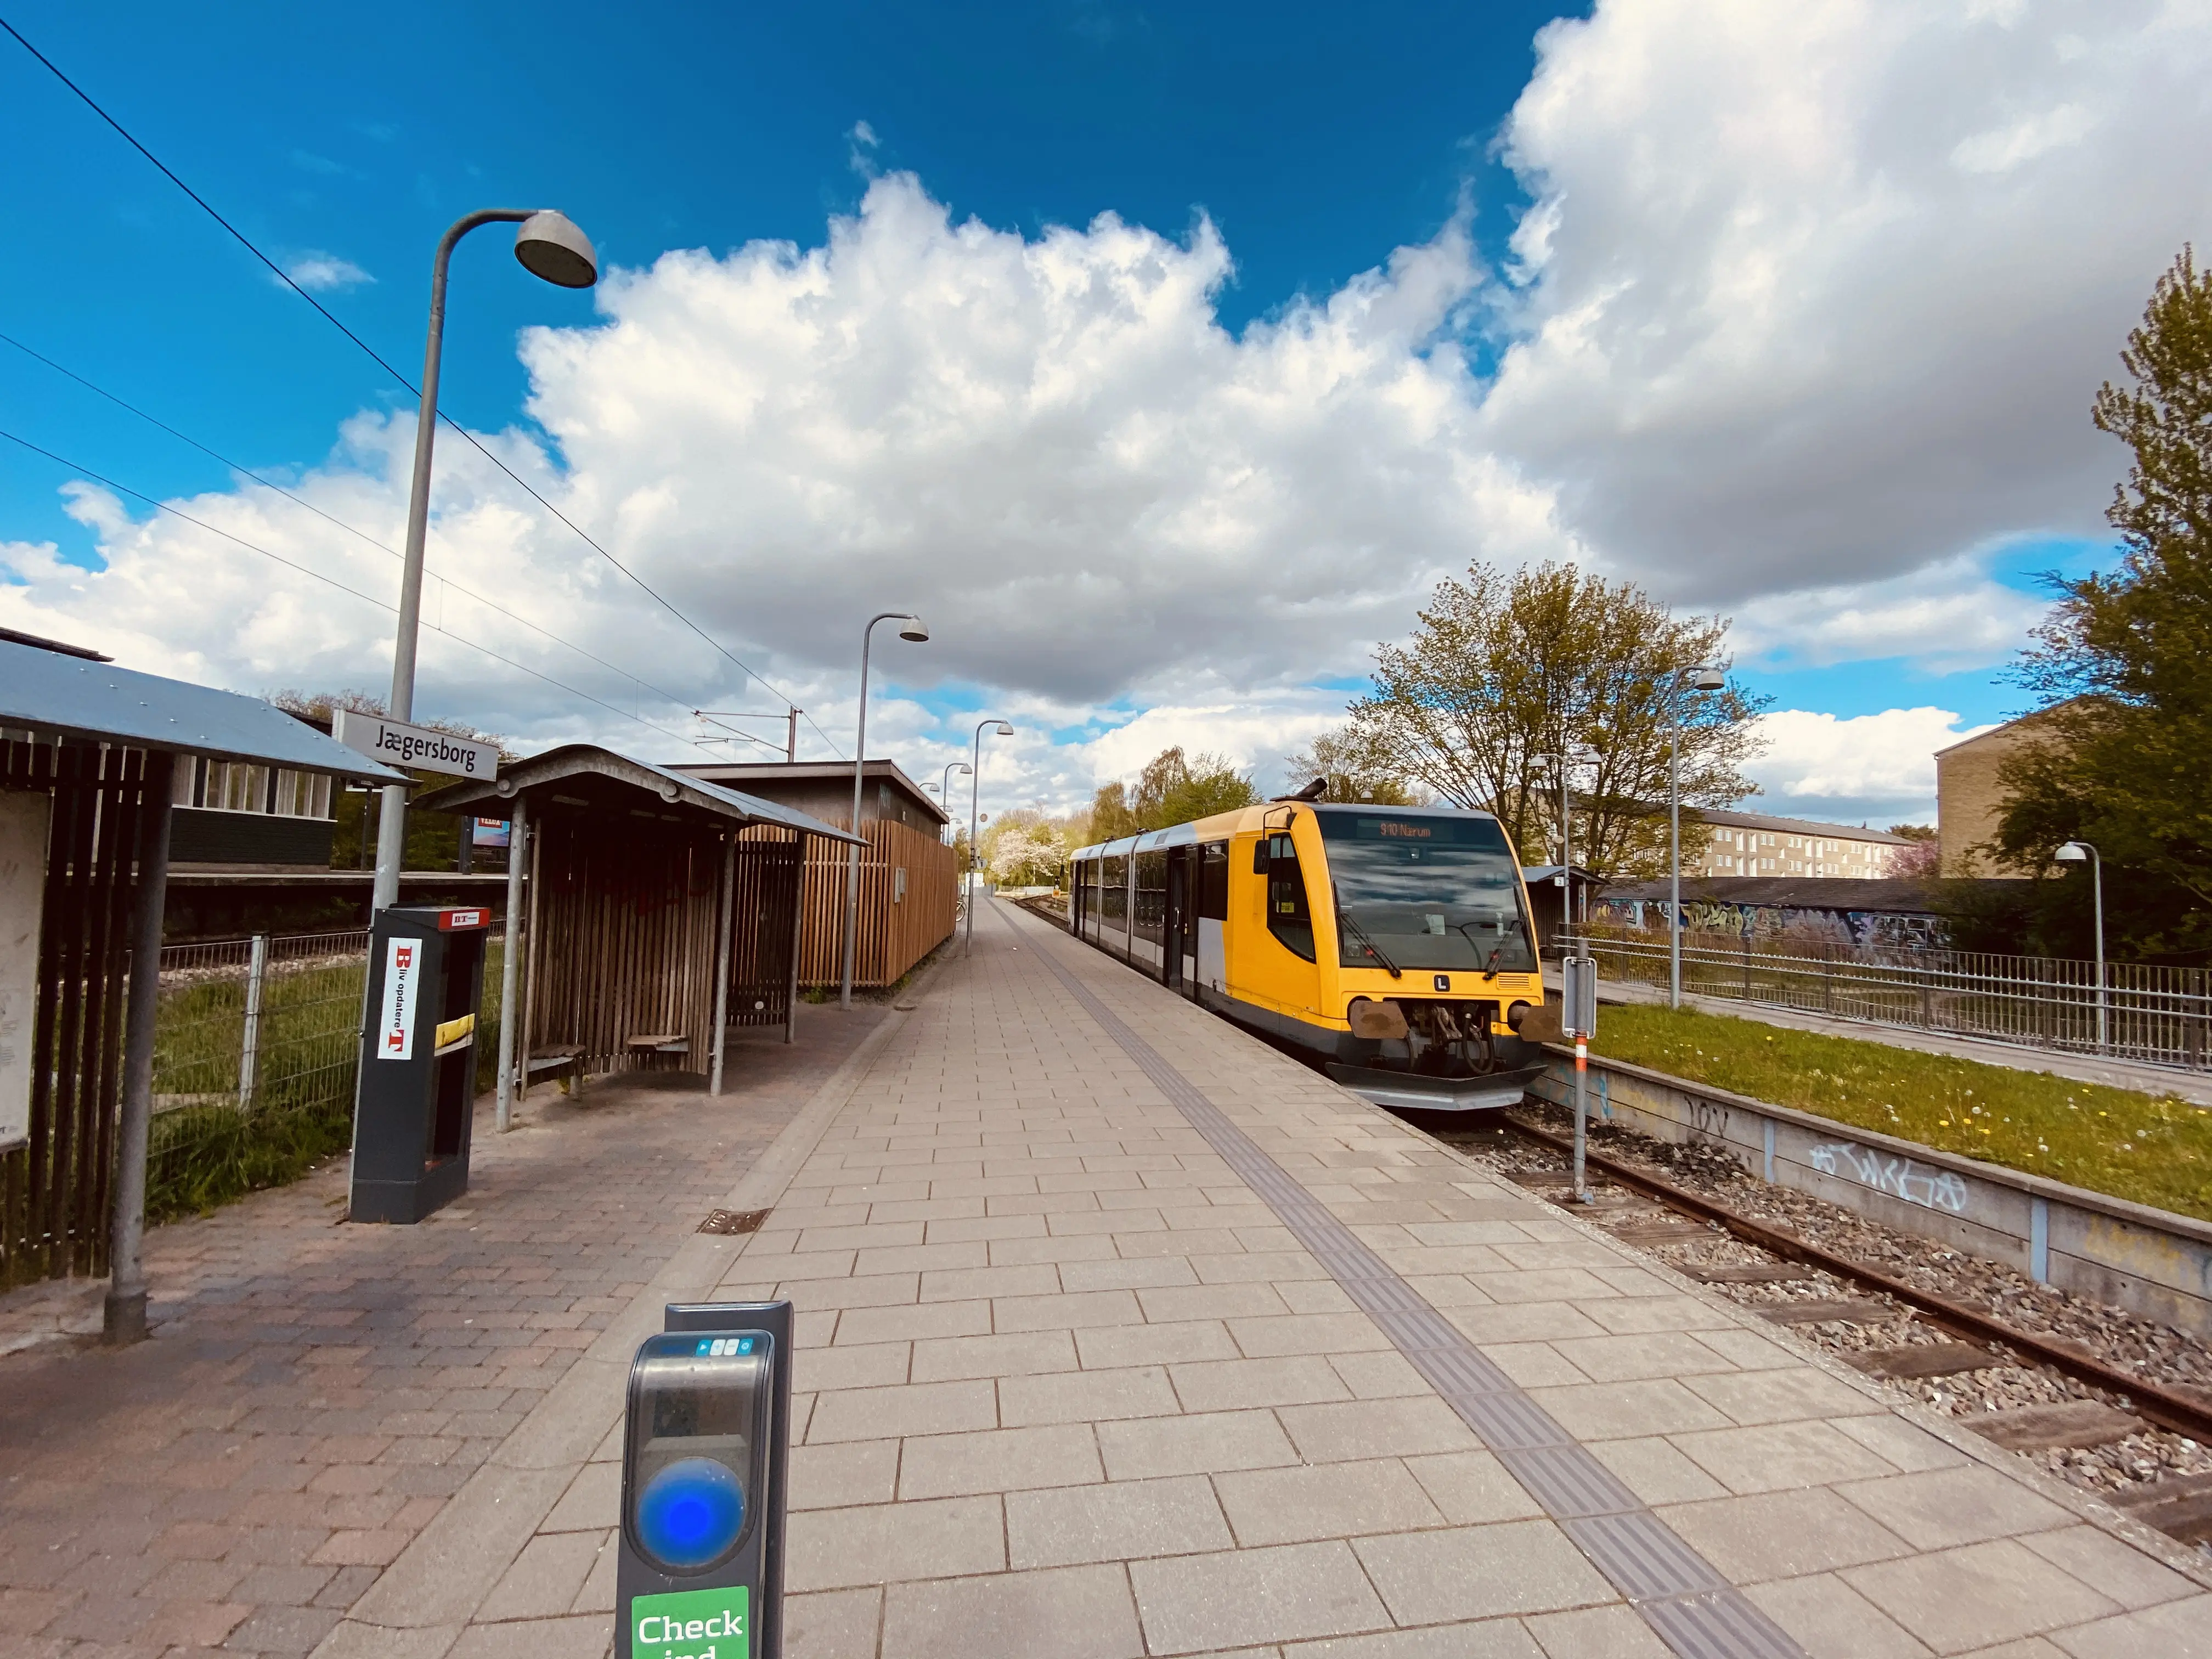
x,y
913,628
1002,730
961,766
550,245
1707,679
2073,852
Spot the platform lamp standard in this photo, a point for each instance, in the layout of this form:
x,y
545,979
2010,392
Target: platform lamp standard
x,y
1564,881
911,628
945,788
2075,852
998,728
1700,680
549,247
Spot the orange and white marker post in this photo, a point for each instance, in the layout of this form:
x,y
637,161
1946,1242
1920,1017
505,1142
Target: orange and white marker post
x,y
1578,1002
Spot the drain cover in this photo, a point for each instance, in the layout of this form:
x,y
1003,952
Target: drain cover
x,y
733,1221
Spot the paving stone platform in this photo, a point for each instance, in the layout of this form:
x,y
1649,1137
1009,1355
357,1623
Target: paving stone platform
x,y
1122,1334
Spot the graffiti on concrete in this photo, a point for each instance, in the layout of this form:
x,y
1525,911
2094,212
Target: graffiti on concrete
x,y
1900,1177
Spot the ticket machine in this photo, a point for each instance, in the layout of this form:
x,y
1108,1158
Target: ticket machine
x,y
417,1093
706,1438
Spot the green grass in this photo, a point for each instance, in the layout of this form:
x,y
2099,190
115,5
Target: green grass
x,y
2153,1150
208,1152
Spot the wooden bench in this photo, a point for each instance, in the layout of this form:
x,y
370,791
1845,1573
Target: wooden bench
x,y
653,1043
566,1062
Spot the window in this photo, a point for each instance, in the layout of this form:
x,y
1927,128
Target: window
x,y
1288,917
1114,902
1152,896
1426,893
1213,881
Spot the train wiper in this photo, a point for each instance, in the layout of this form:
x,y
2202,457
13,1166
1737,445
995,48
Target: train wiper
x,y
1489,968
1344,919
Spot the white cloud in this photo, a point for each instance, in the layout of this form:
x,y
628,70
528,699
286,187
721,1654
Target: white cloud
x,y
1945,616
1821,292
326,273
1802,321
1880,769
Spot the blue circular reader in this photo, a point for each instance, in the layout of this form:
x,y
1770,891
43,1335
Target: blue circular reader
x,y
691,1512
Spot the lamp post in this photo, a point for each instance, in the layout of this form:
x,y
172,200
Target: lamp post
x,y
1566,878
944,785
1700,680
911,628
549,247
998,728
2073,852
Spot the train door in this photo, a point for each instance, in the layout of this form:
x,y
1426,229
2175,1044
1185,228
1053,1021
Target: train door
x,y
1174,922
1209,971
1282,964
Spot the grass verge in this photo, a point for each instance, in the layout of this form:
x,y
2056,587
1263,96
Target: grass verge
x,y
2153,1150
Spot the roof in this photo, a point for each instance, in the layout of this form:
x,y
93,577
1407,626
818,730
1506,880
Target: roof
x,y
839,772
2005,735
579,767
73,696
1795,826
1896,896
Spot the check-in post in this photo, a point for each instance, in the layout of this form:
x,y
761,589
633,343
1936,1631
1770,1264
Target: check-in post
x,y
418,1061
706,1438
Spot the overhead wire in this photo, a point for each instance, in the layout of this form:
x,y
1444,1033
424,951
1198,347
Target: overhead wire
x,y
332,582
285,277
351,529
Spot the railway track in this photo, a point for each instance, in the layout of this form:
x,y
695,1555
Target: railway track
x,y
1945,1337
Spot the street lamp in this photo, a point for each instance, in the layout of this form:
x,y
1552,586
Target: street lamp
x,y
998,728
1566,880
1700,680
549,247
911,628
944,785
2075,852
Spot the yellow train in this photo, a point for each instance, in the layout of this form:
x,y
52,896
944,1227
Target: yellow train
x,y
1392,945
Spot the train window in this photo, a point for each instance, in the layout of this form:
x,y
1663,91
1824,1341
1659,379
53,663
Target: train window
x,y
1213,881
1114,902
1260,855
1288,917
1152,896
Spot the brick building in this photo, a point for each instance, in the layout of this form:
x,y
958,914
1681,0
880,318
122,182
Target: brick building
x,y
1755,844
1969,799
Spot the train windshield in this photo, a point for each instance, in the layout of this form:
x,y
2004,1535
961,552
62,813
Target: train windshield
x,y
1426,892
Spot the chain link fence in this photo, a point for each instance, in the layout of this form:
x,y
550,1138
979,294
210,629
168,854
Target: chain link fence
x,y
2161,1015
256,1044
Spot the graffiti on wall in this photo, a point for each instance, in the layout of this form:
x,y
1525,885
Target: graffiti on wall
x,y
1900,1177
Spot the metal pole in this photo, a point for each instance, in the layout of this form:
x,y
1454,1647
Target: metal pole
x,y
968,874
1674,862
1582,1110
510,965
249,1049
853,853
1566,855
791,739
392,825
797,938
123,1317
722,960
2097,880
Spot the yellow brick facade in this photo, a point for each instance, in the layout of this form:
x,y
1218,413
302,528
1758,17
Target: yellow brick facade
x,y
1969,799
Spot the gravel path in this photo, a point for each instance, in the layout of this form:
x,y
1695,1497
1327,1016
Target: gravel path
x,y
2155,1351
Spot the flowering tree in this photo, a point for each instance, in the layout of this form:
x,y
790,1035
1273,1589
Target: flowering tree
x,y
1026,856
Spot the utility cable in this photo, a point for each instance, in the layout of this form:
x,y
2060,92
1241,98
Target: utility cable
x,y
285,277
298,501
332,582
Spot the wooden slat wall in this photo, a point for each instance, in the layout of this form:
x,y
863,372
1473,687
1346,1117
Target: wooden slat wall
x,y
893,937
625,940
54,1191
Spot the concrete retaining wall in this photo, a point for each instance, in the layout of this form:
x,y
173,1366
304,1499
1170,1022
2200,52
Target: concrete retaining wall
x,y
2129,1256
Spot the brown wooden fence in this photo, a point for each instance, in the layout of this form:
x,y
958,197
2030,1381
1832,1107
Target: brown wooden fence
x,y
54,1190
909,894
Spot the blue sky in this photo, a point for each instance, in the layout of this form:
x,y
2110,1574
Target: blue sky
x,y
1871,488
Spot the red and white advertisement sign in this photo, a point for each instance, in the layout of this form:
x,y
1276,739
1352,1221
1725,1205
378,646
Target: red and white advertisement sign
x,y
403,967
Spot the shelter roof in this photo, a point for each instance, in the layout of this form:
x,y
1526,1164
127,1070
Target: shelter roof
x,y
836,773
583,775
74,696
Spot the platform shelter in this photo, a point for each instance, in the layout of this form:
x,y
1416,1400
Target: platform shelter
x,y
648,913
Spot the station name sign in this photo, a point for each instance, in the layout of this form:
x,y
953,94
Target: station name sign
x,y
418,747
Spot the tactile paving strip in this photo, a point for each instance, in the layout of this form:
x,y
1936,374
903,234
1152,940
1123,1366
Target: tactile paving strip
x,y
1691,1608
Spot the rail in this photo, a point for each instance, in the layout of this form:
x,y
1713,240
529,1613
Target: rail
x,y
2140,1012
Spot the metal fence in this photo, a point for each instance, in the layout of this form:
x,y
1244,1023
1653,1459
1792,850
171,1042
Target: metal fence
x,y
2162,1015
255,1047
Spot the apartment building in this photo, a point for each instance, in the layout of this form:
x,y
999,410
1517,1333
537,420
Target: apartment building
x,y
1969,798
1753,844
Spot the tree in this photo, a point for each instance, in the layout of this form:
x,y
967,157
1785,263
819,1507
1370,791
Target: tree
x,y
1174,787
1027,855
2119,664
1923,860
1504,667
1355,768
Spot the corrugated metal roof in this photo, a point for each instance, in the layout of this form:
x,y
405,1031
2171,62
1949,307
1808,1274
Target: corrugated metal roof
x,y
576,759
50,693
